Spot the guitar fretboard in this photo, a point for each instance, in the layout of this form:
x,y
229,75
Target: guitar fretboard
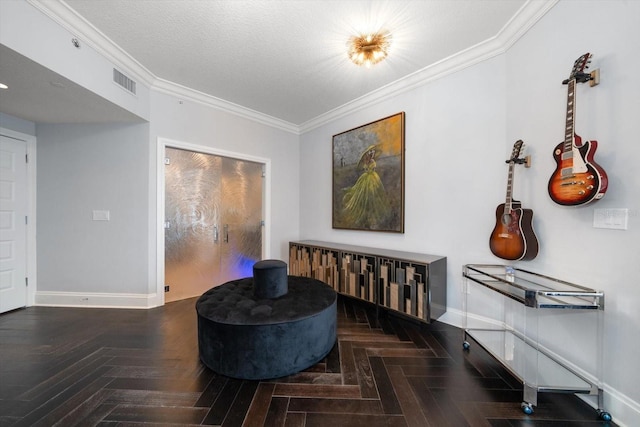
x,y
567,151
509,199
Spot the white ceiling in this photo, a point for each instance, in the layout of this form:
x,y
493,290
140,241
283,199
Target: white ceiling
x,y
42,96
287,58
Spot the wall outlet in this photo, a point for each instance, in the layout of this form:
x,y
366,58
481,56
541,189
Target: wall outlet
x,y
101,215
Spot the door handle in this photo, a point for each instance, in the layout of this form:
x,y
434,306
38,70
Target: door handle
x,y
215,234
226,233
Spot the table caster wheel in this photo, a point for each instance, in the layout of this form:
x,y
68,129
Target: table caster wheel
x,y
604,415
466,345
527,408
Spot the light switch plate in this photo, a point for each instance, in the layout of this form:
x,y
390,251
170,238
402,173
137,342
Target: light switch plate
x,y
616,219
101,215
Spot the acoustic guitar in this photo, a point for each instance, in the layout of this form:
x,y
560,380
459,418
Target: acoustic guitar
x,y
513,237
578,179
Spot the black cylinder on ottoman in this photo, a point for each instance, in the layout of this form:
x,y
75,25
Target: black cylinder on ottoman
x,y
243,335
270,278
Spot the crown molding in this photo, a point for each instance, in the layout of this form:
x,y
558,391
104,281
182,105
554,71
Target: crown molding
x,y
530,13
449,65
520,23
186,93
61,13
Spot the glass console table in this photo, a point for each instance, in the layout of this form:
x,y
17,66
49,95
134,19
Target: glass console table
x,y
514,327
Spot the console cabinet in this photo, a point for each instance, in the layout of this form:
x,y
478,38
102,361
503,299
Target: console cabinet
x,y
413,284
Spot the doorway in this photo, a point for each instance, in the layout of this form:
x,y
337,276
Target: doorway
x,y
214,224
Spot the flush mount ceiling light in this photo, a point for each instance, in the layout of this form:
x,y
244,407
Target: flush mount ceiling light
x,y
369,49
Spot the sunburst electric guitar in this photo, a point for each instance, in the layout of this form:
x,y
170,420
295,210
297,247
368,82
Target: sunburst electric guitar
x,y
577,179
513,237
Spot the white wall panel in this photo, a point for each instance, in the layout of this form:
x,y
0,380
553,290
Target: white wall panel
x,y
82,168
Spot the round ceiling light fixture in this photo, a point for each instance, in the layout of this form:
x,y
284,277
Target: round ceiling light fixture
x,y
369,49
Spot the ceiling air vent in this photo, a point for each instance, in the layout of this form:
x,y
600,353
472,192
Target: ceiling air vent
x,y
124,81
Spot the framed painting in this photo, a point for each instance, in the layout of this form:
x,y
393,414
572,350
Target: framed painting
x,y
368,176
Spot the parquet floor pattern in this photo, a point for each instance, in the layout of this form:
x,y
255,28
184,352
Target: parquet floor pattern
x,y
109,367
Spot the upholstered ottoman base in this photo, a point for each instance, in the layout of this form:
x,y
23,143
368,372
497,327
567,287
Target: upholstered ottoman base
x,y
241,336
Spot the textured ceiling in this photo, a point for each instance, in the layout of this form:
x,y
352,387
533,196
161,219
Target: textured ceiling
x,y
283,59
287,58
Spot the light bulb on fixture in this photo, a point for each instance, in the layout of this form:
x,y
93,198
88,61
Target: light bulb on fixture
x,y
369,49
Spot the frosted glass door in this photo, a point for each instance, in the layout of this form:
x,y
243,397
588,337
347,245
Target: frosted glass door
x,y
241,217
205,210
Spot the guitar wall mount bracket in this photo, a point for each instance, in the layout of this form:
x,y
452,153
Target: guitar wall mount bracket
x,y
593,78
524,160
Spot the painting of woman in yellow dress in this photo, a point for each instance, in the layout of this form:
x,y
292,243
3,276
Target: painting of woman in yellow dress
x,y
366,203
368,175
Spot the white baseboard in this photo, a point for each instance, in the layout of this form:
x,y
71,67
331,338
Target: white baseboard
x,y
453,317
95,300
624,410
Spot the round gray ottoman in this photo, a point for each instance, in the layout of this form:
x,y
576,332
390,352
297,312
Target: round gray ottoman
x,y
244,333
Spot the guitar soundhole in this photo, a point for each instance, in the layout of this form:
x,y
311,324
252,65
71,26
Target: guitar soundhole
x,y
506,219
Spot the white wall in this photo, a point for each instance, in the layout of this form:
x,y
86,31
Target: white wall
x,y
459,131
570,247
112,167
455,176
193,123
19,125
82,168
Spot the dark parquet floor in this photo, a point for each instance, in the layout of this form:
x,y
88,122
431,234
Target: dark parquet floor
x,y
110,367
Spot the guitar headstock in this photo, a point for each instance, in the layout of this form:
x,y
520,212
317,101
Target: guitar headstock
x,y
517,147
577,72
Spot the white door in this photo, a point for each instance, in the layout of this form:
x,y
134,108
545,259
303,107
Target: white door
x,y
13,229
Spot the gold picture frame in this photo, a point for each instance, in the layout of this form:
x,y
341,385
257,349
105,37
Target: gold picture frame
x,y
368,176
